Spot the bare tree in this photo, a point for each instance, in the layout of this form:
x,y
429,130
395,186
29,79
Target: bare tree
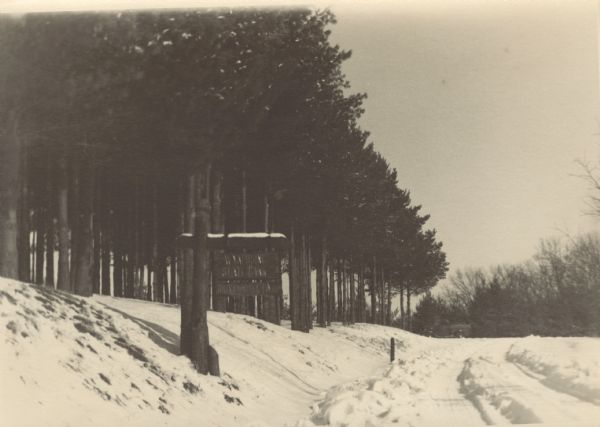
x,y
591,175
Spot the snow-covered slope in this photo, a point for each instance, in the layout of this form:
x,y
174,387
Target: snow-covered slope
x,y
70,361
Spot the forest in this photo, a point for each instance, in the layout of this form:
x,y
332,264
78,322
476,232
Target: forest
x,y
121,131
556,293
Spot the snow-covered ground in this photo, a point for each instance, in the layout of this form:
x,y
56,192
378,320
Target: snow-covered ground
x,y
69,361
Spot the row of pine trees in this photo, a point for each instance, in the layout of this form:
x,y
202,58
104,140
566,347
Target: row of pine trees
x,y
122,131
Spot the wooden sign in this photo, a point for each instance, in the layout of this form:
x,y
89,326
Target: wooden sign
x,y
246,274
245,265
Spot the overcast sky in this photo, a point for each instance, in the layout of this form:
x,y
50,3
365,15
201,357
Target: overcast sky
x,y
482,106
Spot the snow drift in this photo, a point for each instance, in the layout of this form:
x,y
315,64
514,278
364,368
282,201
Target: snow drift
x,y
71,361
102,361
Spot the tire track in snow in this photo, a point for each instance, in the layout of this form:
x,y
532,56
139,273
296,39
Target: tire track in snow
x,y
312,389
501,390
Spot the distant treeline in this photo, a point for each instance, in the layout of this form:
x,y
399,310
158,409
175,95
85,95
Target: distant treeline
x,y
556,293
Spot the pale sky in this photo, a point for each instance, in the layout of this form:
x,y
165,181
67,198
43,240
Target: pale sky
x,y
482,106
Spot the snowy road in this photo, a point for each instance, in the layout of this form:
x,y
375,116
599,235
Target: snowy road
x,y
468,383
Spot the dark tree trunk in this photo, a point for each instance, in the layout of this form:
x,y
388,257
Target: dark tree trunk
x,y
187,270
353,304
241,304
105,259
408,309
10,153
155,265
361,293
308,282
83,279
402,325
117,257
64,281
136,244
24,246
97,242
374,292
331,309
50,246
130,220
322,300
298,283
269,304
293,282
74,217
201,290
40,226
51,229
343,281
340,294
165,278
173,281
219,302
382,303
389,304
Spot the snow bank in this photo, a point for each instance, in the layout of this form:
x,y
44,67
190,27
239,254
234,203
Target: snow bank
x,y
71,361
570,365
104,361
403,394
69,357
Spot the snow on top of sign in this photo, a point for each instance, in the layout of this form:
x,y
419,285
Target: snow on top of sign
x,y
246,235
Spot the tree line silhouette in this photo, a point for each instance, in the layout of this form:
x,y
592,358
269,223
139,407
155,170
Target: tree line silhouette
x,y
556,293
123,130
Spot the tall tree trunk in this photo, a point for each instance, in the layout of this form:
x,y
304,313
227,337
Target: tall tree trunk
x,y
322,300
374,292
155,264
129,237
24,245
188,270
51,228
361,293
83,280
173,281
352,296
40,232
343,281
64,276
74,217
10,173
217,225
136,244
117,256
97,239
331,308
244,304
244,203
382,303
389,304
402,325
105,258
294,290
408,309
200,291
308,282
340,294
178,251
165,278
